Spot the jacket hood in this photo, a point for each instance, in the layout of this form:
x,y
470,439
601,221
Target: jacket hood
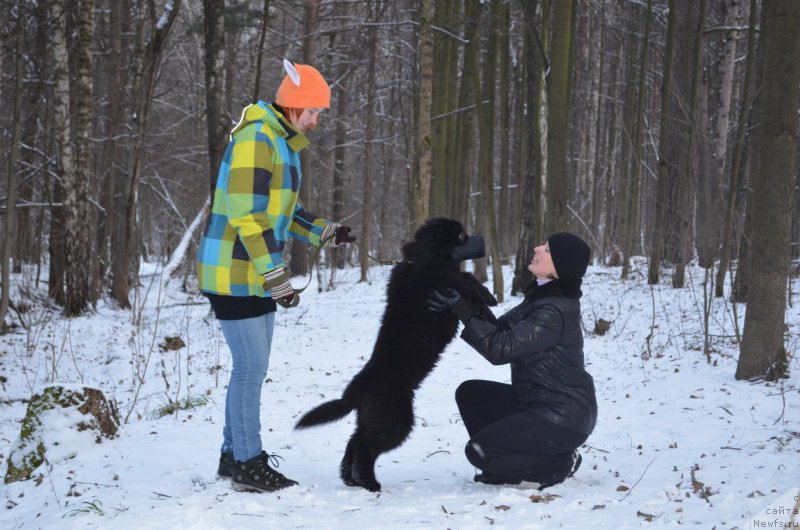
x,y
268,115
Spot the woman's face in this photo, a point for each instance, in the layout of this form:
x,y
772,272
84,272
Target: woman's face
x,y
307,120
541,266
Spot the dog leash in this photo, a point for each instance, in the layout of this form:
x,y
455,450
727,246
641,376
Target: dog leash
x,y
315,257
389,262
318,251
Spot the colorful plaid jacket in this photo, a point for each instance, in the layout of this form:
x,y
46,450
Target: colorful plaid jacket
x,y
255,207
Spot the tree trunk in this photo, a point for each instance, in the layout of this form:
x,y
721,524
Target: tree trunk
x,y
144,86
424,134
63,130
339,152
558,114
450,176
11,187
299,258
533,79
687,159
763,352
369,166
623,184
637,134
506,222
113,70
78,211
214,24
613,135
29,221
442,85
597,171
486,214
729,233
664,135
711,203
467,120
260,52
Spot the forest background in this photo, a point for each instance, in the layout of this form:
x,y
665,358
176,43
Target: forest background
x,y
659,128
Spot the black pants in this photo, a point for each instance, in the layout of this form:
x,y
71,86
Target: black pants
x,y
508,440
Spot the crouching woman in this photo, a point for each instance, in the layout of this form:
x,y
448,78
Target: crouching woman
x,y
531,429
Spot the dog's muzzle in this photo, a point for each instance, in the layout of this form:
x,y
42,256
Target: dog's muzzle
x,y
472,249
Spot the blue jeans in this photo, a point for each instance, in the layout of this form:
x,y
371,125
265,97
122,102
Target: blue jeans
x,y
249,340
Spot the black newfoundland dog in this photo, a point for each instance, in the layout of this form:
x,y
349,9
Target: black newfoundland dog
x,y
409,343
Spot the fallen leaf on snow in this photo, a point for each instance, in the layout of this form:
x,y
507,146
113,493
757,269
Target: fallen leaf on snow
x,y
547,497
646,516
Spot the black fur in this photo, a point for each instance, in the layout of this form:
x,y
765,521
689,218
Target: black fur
x,y
409,343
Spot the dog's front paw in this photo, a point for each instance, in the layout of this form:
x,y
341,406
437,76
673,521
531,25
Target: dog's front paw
x,y
482,293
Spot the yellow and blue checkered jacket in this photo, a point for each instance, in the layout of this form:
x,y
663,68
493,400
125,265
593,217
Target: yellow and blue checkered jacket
x,y
256,207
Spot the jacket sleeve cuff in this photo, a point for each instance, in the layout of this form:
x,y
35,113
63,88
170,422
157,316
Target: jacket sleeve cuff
x,y
328,238
475,330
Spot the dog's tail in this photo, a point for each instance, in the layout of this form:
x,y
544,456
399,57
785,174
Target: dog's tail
x,y
328,412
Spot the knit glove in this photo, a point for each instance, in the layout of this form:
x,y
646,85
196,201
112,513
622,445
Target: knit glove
x,y
335,234
277,282
450,301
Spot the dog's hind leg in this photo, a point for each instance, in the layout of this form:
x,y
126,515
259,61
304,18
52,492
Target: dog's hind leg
x,y
363,466
379,434
346,467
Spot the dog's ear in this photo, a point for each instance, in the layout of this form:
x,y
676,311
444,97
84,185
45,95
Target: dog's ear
x,y
424,246
423,255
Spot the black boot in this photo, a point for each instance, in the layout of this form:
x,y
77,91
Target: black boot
x,y
257,476
496,480
226,464
556,477
574,462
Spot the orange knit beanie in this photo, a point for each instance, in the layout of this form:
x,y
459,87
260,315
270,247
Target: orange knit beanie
x,y
303,87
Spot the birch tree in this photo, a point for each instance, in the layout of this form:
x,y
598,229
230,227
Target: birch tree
x,y
729,232
78,184
63,132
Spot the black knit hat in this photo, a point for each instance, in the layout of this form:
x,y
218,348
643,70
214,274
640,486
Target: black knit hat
x,y
570,255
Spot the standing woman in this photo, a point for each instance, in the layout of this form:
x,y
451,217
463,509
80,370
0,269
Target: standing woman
x,y
240,264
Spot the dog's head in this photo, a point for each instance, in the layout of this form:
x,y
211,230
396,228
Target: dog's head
x,y
443,238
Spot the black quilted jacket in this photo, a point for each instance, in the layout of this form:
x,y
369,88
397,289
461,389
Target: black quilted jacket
x,y
541,338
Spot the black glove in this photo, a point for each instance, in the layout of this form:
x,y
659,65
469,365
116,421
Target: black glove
x,y
343,236
335,234
450,301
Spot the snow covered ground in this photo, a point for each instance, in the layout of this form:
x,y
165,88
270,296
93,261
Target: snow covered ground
x,y
679,442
